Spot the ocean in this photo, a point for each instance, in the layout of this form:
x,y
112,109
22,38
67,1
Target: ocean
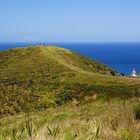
x,y
122,57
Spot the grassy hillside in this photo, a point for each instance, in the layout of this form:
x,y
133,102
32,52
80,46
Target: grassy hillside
x,y
36,78
68,96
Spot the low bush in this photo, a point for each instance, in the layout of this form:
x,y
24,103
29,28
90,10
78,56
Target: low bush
x,y
137,111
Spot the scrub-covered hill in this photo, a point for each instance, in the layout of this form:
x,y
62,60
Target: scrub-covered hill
x,y
38,77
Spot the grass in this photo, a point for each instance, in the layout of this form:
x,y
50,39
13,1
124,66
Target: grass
x,y
109,120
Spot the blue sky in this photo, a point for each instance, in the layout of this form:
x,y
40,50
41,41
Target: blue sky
x,y
70,20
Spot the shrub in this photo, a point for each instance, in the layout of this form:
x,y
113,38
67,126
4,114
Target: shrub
x,y
137,111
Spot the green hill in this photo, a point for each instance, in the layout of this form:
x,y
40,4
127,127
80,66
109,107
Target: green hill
x,y
35,78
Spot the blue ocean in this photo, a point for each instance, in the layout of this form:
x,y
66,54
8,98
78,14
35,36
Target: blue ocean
x,y
123,57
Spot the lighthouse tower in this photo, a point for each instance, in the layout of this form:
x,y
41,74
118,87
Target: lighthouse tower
x,y
133,73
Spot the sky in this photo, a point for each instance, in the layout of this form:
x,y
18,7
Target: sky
x,y
69,20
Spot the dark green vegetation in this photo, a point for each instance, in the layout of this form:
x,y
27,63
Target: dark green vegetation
x,y
35,78
137,111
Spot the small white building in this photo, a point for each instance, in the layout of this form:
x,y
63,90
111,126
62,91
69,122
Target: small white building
x,y
133,73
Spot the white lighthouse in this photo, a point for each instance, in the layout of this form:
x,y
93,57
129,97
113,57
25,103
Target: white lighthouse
x,y
133,73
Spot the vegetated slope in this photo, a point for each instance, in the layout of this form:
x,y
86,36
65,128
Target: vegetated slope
x,y
38,77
